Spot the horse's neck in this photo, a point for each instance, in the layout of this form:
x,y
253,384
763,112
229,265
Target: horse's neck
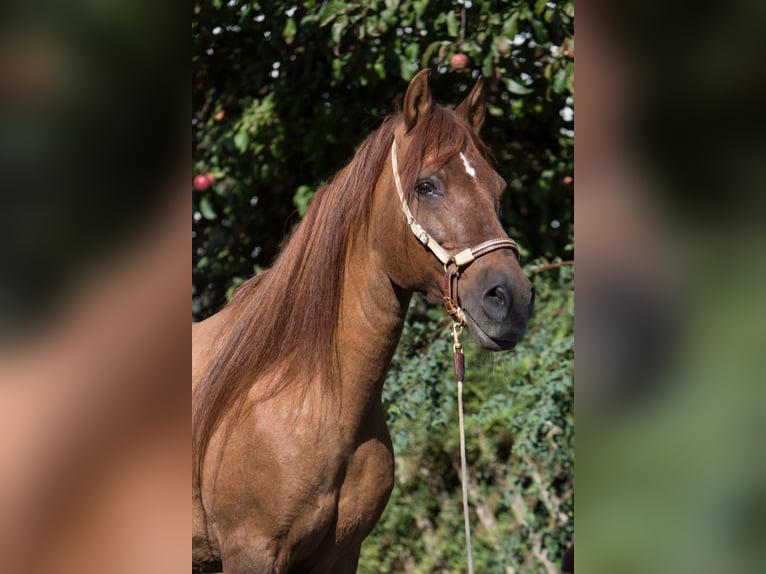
x,y
371,319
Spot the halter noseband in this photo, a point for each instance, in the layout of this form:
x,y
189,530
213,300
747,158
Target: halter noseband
x,y
453,264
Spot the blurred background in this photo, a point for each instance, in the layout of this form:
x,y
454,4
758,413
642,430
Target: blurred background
x,y
670,391
95,243
283,93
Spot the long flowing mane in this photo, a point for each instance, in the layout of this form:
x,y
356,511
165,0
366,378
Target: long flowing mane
x,y
286,317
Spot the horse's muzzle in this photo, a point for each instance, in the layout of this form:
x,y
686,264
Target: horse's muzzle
x,y
498,320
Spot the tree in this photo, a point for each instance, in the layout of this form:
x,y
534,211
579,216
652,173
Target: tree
x,y
283,92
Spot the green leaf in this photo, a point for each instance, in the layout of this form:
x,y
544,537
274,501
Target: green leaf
x,y
495,111
516,88
407,68
337,68
337,29
420,6
206,209
302,199
380,68
487,67
235,282
541,33
511,26
560,81
451,24
310,18
330,11
289,31
411,51
242,140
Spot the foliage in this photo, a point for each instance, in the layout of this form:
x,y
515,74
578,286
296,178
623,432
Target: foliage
x,y
519,431
282,94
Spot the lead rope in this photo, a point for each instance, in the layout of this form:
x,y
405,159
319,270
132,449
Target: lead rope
x,y
458,360
460,260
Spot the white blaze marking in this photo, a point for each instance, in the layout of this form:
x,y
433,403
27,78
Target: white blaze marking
x,y
468,167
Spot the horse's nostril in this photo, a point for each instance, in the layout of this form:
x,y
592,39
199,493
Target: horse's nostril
x,y
497,303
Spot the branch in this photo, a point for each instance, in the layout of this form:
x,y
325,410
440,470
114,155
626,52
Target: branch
x,y
551,266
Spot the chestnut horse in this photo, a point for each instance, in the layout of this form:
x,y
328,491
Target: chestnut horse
x,y
293,462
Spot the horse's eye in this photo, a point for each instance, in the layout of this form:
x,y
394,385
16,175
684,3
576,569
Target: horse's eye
x,y
426,187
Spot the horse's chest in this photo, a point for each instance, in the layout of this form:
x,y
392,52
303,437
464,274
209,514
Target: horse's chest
x,y
340,512
320,494
352,468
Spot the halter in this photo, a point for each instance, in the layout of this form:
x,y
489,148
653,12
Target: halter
x,y
453,267
453,264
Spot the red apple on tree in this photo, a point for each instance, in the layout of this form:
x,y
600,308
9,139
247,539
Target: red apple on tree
x,y
458,61
202,181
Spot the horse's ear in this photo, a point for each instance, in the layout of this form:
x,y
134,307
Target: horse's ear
x,y
474,106
417,100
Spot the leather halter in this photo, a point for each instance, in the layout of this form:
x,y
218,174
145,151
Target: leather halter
x,y
453,264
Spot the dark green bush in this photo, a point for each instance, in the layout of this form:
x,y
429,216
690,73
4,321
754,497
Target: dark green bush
x,y
520,436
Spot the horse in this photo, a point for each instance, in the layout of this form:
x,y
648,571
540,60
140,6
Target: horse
x,y
293,463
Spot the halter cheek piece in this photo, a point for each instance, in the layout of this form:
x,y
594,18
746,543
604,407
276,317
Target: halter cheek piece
x,y
453,264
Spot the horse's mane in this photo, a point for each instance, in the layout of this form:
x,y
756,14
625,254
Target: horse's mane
x,y
286,317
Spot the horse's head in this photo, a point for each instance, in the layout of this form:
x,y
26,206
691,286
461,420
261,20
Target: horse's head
x,y
453,194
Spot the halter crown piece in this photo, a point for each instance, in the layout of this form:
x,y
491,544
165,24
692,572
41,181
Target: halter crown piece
x,y
453,266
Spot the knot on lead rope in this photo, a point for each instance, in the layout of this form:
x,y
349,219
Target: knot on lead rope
x,y
454,310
